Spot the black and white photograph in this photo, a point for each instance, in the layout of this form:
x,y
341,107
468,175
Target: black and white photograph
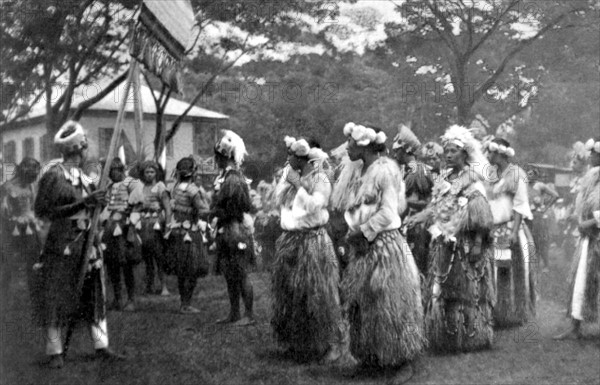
x,y
311,192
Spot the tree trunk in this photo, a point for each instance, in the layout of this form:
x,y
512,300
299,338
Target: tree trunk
x,y
463,94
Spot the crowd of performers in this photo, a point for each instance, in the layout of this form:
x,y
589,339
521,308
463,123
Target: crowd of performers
x,y
375,254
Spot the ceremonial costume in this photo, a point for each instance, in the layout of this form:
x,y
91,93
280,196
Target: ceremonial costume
x,y
419,183
267,223
460,292
515,265
20,232
123,245
148,219
61,199
380,287
585,276
186,253
234,225
305,281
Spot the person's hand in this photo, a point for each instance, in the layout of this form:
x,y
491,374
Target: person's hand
x,y
96,198
293,177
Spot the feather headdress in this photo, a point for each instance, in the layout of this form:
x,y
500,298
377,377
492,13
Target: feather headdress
x,y
431,149
232,146
364,135
406,139
463,138
71,137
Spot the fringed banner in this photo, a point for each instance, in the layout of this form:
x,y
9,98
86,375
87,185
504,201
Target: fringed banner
x,y
162,37
156,58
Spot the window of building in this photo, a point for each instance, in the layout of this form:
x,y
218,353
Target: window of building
x,y
9,152
47,150
28,147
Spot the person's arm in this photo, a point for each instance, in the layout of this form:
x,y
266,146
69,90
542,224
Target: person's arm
x,y
165,202
387,209
45,203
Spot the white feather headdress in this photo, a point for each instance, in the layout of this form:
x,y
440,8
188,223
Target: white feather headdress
x,y
463,138
232,146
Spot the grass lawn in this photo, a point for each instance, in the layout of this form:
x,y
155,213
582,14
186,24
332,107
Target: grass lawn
x,y
165,347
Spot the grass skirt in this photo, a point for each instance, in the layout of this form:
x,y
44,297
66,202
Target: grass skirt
x,y
305,286
381,293
516,278
185,254
460,297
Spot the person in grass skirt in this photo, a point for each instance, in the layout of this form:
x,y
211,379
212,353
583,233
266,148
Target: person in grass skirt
x,y
459,294
585,276
20,229
123,246
67,198
186,254
419,184
307,315
515,250
233,226
151,210
381,285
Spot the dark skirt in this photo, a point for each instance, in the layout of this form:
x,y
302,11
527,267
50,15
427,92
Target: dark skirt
x,y
235,249
382,296
123,244
418,239
58,301
150,232
460,297
185,254
305,287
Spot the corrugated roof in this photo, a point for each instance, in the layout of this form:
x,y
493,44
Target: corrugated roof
x,y
112,102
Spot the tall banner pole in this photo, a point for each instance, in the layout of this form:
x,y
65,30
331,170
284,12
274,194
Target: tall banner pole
x,y
138,115
112,150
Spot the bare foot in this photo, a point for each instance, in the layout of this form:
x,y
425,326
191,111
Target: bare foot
x,y
246,321
228,320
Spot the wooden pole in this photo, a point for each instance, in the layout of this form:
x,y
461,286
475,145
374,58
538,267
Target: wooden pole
x,y
138,112
89,246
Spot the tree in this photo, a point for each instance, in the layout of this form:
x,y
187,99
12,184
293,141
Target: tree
x,y
50,48
228,31
463,28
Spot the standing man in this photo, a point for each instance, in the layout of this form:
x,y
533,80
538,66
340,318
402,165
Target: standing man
x,y
231,218
67,199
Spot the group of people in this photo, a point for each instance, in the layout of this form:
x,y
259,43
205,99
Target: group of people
x,y
49,226
378,255
384,255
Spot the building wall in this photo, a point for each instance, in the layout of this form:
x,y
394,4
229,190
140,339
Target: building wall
x,y
183,143
18,137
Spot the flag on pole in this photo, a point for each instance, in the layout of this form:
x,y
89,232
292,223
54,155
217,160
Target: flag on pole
x,y
163,37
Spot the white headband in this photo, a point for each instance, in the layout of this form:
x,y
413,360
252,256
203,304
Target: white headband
x,y
592,145
500,148
364,135
457,142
